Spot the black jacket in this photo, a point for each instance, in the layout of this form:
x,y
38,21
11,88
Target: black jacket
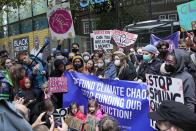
x,y
152,67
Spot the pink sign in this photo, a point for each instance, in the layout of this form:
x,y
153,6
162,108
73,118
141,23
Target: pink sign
x,y
123,39
57,84
60,21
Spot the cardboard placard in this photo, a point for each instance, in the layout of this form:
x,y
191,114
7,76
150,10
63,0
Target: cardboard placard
x,y
57,84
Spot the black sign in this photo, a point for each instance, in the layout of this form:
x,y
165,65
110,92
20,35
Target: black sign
x,y
21,44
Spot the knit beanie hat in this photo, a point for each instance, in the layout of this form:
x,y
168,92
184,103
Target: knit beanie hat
x,y
151,48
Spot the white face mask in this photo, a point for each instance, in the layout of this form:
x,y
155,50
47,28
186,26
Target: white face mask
x,y
117,62
107,61
86,58
100,65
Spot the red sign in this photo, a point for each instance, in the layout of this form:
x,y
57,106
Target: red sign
x,y
60,21
57,84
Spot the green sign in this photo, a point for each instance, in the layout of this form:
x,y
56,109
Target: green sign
x,y
187,14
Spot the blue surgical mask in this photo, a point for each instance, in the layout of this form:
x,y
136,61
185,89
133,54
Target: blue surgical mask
x,y
146,58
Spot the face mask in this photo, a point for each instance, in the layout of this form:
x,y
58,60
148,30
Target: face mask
x,y
117,62
100,65
139,57
146,58
107,61
75,50
169,68
163,53
77,66
86,58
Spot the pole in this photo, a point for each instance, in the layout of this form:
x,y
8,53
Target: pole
x,y
117,13
90,27
150,9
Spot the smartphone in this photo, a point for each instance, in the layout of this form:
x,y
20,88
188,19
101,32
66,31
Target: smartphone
x,y
57,122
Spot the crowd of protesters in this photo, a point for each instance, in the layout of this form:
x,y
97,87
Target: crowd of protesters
x,y
24,81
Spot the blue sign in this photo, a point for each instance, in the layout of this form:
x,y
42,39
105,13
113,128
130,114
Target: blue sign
x,y
85,3
187,14
124,100
171,39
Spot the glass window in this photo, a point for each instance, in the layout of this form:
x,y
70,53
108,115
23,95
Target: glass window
x,y
12,15
25,10
40,22
39,7
13,29
26,26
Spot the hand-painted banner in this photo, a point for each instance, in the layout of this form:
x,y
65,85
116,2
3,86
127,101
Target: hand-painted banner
x,y
60,22
172,40
124,100
57,84
162,88
123,39
187,14
102,39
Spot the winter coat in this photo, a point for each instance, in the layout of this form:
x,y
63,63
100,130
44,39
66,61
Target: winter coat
x,y
127,72
152,67
11,120
187,79
110,71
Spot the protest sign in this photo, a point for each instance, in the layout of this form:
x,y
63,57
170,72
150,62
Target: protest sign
x,y
102,39
60,22
187,14
124,100
123,39
172,40
90,123
162,88
21,44
74,123
57,84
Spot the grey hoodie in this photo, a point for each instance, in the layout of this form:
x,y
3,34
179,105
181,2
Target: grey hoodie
x,y
10,120
188,81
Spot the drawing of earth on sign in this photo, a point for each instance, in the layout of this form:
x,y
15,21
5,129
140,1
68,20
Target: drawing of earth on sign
x,y
60,21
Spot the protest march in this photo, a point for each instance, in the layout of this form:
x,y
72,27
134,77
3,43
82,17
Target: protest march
x,y
116,84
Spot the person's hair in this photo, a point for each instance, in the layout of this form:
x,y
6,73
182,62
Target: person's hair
x,y
44,85
108,123
93,102
41,128
22,82
71,107
162,43
75,44
47,105
93,67
21,53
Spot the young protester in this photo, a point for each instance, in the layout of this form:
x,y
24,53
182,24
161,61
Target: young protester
x,y
174,67
89,67
125,69
78,64
101,67
150,65
94,109
74,110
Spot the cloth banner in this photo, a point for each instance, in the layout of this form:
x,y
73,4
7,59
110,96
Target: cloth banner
x,y
60,22
171,39
187,14
124,100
